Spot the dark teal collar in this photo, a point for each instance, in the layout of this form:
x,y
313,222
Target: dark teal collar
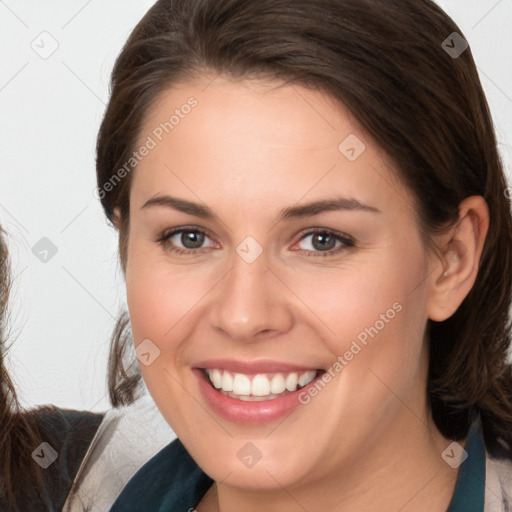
x,y
171,480
469,495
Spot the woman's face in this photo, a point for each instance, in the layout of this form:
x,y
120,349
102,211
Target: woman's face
x,y
270,243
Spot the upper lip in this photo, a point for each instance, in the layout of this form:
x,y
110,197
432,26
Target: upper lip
x,y
250,367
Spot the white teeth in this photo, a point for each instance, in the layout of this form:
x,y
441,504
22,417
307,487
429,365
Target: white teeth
x,y
239,385
227,381
306,378
216,377
260,386
277,384
291,381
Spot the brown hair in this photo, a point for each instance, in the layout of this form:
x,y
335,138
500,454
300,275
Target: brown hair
x,y
385,61
18,435
24,485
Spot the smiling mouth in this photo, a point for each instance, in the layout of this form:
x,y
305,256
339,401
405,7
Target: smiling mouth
x,y
258,387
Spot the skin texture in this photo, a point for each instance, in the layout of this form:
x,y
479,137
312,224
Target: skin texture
x,y
248,150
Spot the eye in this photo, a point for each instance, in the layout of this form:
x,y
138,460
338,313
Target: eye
x,y
323,242
190,240
184,240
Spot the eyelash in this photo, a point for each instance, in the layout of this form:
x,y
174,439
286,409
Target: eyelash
x,y
347,242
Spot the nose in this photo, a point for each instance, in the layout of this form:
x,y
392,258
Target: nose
x,y
251,303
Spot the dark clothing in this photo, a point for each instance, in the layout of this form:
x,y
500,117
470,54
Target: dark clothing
x,y
68,434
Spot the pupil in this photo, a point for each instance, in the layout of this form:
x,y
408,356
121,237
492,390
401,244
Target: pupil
x,y
326,241
192,240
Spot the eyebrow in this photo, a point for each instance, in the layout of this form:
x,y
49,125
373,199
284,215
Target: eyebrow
x,y
300,211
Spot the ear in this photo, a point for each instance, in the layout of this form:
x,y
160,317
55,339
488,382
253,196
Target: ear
x,y
454,273
116,217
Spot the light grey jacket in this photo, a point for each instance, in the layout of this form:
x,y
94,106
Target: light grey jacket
x,y
126,439
498,482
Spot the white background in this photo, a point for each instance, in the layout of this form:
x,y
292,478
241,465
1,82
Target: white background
x,y
63,311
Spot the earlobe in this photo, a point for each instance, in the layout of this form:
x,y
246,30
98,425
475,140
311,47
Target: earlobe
x,y
456,269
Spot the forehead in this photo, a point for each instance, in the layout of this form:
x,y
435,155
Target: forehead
x,y
260,108
246,138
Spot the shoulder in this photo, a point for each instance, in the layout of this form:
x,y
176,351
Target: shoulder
x,y
498,478
126,439
67,435
62,437
69,429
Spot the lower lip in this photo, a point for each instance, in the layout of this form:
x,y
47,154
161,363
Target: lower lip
x,y
245,412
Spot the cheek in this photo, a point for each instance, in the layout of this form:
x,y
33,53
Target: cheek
x,y
157,299
158,303
165,303
373,315
351,298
